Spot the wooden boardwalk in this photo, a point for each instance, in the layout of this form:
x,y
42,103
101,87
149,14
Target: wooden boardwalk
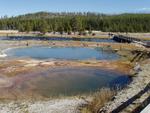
x,y
127,39
133,105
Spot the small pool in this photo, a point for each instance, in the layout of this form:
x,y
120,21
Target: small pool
x,y
66,53
65,81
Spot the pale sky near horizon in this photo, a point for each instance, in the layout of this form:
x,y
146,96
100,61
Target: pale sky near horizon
x,y
17,7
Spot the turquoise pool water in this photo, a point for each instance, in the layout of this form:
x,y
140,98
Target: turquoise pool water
x,y
67,53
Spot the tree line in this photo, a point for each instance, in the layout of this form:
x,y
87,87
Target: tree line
x,y
77,22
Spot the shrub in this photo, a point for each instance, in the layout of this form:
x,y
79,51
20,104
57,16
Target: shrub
x,y
99,99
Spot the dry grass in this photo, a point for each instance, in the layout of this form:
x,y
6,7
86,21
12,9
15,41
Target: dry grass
x,y
99,99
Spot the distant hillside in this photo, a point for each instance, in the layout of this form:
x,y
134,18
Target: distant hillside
x,y
46,15
72,22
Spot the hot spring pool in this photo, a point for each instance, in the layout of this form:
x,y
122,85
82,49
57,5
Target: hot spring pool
x,y
64,81
67,53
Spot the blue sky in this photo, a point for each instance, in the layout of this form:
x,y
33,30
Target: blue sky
x,y
16,7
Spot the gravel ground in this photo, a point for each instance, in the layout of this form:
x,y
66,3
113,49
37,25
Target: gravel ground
x,y
139,82
51,106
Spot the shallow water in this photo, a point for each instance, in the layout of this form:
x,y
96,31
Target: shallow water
x,y
55,39
64,81
66,53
